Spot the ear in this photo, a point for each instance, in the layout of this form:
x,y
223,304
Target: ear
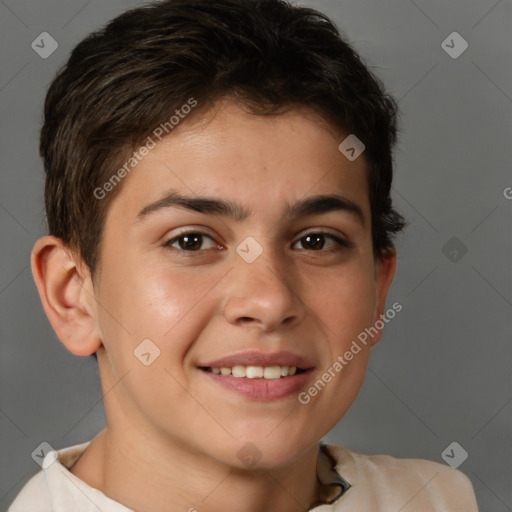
x,y
65,288
384,272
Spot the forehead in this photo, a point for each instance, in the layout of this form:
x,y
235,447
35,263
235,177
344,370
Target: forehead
x,y
261,162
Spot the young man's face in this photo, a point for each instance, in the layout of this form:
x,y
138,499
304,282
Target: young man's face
x,y
259,273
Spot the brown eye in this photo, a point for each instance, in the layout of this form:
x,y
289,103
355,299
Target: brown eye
x,y
319,241
314,241
191,242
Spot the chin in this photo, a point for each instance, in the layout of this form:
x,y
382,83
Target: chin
x,y
270,453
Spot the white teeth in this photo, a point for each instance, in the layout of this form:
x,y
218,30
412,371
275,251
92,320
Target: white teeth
x,y
256,372
238,371
272,372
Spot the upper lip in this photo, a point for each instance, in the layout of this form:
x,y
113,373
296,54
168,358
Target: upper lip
x,y
257,358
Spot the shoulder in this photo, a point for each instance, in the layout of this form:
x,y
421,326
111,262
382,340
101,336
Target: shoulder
x,y
409,484
57,489
33,497
46,491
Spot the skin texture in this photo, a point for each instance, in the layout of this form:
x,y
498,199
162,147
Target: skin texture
x,y
172,434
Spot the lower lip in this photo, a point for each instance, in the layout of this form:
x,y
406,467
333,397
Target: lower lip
x,y
262,389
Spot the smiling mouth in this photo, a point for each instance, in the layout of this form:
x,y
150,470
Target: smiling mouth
x,y
255,372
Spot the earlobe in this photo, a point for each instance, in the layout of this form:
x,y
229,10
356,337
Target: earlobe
x,y
66,295
384,273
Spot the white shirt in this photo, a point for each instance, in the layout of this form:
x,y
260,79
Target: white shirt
x,y
359,483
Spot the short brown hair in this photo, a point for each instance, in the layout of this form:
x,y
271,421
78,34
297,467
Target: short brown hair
x,y
126,79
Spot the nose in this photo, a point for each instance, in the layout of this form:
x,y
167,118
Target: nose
x,y
259,294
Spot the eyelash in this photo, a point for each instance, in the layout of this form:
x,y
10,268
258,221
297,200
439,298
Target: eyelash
x,y
173,240
342,244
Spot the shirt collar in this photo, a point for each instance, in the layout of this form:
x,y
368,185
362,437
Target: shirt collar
x,y
334,486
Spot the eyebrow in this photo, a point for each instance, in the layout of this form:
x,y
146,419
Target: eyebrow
x,y
207,205
316,205
313,205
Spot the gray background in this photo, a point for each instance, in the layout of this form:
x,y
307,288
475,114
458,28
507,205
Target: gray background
x,y
442,371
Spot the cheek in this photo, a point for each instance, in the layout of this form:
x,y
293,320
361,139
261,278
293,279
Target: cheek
x,y
168,306
344,301
344,307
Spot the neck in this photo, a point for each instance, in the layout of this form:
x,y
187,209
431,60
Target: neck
x,y
144,474
144,469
